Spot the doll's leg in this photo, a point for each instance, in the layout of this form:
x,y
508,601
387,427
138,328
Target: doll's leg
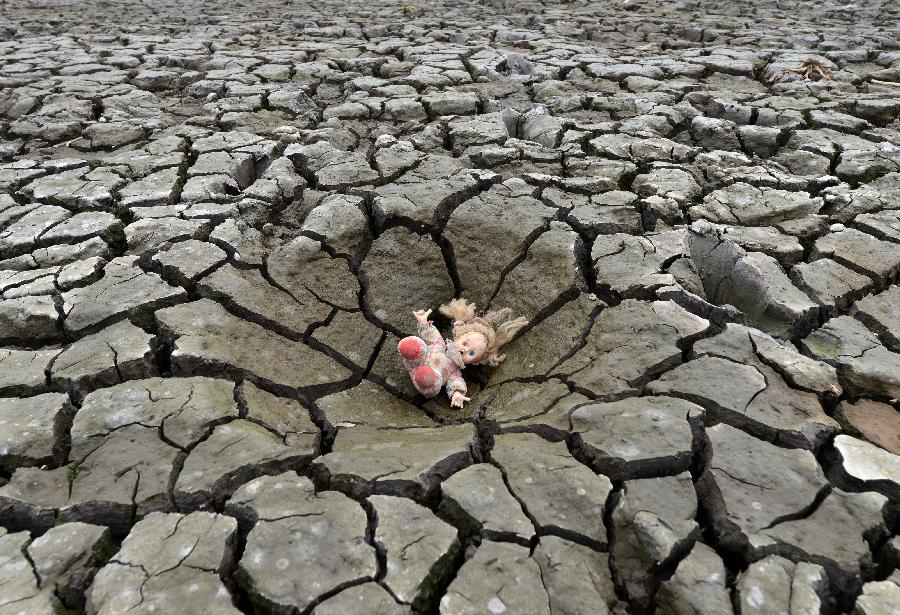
x,y
413,350
427,381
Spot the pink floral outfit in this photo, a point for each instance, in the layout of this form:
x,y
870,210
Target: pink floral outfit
x,y
432,362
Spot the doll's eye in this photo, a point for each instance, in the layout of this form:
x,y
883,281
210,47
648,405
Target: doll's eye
x,y
471,353
465,344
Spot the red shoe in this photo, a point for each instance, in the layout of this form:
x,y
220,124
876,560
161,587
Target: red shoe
x,y
424,377
411,348
427,380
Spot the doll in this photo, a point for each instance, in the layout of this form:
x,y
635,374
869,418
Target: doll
x,y
434,363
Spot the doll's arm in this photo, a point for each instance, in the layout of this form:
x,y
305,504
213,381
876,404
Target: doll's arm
x,y
427,330
455,383
430,334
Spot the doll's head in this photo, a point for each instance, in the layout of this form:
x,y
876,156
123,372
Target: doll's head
x,y
479,338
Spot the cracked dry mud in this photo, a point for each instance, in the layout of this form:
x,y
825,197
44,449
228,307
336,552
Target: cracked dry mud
x,y
216,218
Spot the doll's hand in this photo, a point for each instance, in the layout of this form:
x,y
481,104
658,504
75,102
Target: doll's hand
x,y
458,400
422,316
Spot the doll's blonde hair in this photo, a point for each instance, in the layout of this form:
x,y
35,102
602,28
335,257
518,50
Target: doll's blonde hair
x,y
497,326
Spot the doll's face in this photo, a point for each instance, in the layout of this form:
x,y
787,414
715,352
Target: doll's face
x,y
472,346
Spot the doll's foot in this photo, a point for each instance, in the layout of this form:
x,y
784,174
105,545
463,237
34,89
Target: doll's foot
x,y
411,348
427,381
